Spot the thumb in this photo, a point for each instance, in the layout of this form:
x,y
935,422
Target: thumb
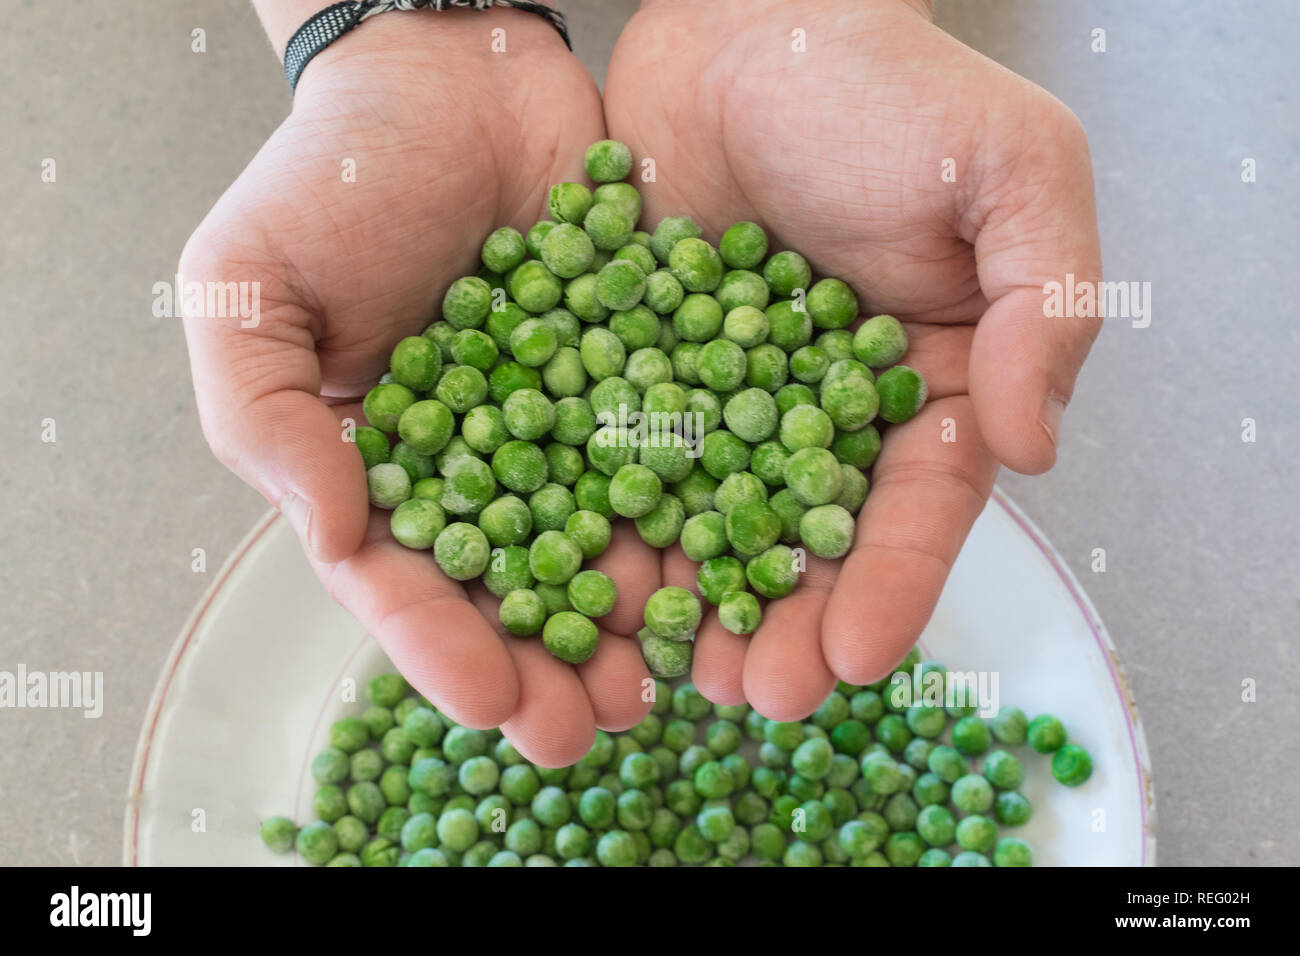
x,y
1039,224
257,382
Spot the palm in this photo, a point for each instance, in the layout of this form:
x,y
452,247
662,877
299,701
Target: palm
x,y
839,154
354,218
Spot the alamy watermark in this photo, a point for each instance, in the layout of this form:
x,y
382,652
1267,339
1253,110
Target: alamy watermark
x,y
209,300
636,429
938,688
74,690
1098,300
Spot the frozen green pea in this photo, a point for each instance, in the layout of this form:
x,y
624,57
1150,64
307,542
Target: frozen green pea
x,y
466,302
791,511
609,226
416,362
721,365
1012,851
814,476
461,388
970,736
1071,765
858,449
568,202
827,530
564,465
472,347
736,488
441,335
774,573
592,593
535,287
373,445
591,493
533,343
698,318
669,232
590,531
520,466
610,449
575,421
972,794
1046,734
1012,809
554,558
717,576
417,523
743,245
768,462
752,527
468,486
739,613
580,298
536,235
508,570
279,833
661,525
483,428
789,328
746,325
388,484
416,465
1010,726
723,453
836,343
792,395
462,551
634,490
639,254
880,341
806,426
384,404
663,293
647,367
602,353
976,833
625,198
551,506
832,304
636,328
620,285
666,399
509,377
787,271
564,374
349,734
316,842
704,536
665,657
528,414
696,490
522,612
766,367
428,488
851,401
809,364
501,322
902,392
567,250
614,399
673,613
740,287
751,415
503,249
570,636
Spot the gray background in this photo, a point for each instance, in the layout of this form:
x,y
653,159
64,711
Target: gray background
x,y
1199,528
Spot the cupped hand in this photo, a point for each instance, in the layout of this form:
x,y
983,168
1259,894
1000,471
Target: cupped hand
x,y
945,190
408,143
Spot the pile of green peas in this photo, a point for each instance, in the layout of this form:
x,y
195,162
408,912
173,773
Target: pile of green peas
x,y
865,781
511,456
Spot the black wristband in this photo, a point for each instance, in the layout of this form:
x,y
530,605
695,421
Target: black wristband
x,y
332,22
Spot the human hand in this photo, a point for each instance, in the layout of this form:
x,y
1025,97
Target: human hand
x,y
839,153
449,142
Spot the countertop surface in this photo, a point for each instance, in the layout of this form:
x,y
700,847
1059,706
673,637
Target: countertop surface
x,y
1199,527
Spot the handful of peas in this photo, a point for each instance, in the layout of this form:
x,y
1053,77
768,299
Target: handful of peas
x,y
867,780
512,413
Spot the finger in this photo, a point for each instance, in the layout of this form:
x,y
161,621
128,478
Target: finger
x,y
552,723
614,679
434,637
634,568
786,676
926,493
256,380
1039,226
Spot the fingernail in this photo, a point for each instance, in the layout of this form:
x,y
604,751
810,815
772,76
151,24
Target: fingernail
x,y
1053,409
298,511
